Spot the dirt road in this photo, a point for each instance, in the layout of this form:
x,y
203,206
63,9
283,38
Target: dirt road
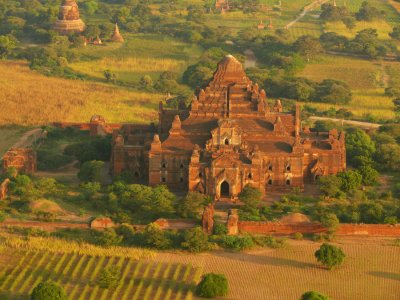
x,y
305,11
364,125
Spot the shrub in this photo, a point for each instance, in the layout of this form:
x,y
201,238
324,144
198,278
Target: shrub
x,y
195,240
48,291
91,171
220,229
237,243
330,256
109,277
269,241
311,295
155,237
107,238
212,285
330,222
298,236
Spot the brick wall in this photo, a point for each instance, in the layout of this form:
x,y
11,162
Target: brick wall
x,y
344,229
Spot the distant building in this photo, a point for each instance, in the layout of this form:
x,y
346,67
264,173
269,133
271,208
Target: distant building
x,y
222,5
229,138
117,37
261,25
69,19
97,41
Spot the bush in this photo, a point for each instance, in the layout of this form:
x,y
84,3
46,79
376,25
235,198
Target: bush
x,y
109,277
195,240
298,236
212,285
155,237
220,229
311,295
330,222
237,243
330,256
91,171
48,291
107,238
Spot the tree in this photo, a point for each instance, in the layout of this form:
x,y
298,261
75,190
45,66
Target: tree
x,y
308,46
251,197
91,171
324,125
146,82
330,256
195,240
333,91
369,175
351,180
7,44
212,285
155,237
395,34
312,295
330,222
48,290
107,238
368,12
109,277
359,145
190,205
349,22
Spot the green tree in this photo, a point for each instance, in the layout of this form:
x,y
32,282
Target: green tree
x,y
251,197
395,34
369,175
330,256
330,185
146,82
331,222
359,147
109,278
155,237
110,76
48,290
195,240
191,204
91,171
368,12
308,46
107,238
351,180
312,295
212,285
7,44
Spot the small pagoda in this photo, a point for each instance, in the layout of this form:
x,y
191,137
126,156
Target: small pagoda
x,y
117,37
69,20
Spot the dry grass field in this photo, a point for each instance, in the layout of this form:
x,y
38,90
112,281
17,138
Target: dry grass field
x,y
371,271
367,79
9,135
28,98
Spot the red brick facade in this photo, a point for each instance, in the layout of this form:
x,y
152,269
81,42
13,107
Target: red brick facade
x,y
230,137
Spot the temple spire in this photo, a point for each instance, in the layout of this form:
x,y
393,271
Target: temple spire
x,y
117,37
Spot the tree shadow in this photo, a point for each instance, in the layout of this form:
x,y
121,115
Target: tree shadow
x,y
266,260
386,275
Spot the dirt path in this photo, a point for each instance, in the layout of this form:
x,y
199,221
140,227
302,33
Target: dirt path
x,y
305,11
364,125
28,138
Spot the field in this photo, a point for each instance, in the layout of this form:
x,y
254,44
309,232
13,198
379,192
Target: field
x,y
367,79
371,271
382,27
139,55
22,269
28,98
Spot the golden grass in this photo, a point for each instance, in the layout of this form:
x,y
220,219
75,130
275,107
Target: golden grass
x,y
62,246
370,271
9,135
381,26
129,64
29,98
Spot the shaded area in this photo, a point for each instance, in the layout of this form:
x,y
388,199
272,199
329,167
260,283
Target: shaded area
x,y
386,275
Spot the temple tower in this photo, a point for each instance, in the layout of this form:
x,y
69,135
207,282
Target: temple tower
x,y
69,20
117,37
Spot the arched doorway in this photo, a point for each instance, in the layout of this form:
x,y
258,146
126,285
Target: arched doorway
x,y
225,190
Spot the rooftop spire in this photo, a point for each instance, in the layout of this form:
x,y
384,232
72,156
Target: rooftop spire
x,y
117,37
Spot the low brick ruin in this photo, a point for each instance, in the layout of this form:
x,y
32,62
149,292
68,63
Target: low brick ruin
x,y
23,159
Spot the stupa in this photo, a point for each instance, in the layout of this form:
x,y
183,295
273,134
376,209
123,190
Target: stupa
x,y
69,20
117,37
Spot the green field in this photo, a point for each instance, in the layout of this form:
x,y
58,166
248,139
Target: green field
x,y
21,271
366,78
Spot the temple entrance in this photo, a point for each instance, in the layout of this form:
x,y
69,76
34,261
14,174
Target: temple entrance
x,y
225,191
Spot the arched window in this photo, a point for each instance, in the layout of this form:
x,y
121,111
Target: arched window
x,y
250,176
163,165
181,166
288,168
288,182
200,175
163,179
270,182
226,142
270,167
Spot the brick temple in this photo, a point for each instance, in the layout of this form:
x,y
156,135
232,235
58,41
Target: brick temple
x,y
69,20
230,137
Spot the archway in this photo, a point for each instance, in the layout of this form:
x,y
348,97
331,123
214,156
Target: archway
x,y
225,190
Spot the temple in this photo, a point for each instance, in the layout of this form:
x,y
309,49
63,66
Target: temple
x,y
117,37
230,137
69,20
